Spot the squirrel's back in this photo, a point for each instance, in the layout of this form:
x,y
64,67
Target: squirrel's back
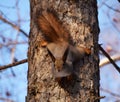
x,y
51,27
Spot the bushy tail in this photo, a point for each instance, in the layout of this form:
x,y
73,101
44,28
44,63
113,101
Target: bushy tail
x,y
51,27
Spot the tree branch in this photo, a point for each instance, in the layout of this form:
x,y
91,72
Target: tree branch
x,y
6,99
13,64
12,43
13,25
111,93
106,61
102,63
111,8
110,59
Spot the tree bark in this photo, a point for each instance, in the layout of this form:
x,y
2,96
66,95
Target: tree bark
x,y
80,18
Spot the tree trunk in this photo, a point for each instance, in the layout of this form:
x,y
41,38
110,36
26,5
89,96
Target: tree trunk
x,y
80,18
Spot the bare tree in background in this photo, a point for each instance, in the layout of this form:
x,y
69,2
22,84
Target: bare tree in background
x,y
12,31
13,42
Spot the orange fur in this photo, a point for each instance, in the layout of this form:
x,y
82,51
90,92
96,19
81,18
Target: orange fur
x,y
52,28
62,53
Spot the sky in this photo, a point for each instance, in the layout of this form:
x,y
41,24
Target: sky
x,y
14,81
109,35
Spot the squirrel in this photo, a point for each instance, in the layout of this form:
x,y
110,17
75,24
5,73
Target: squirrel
x,y
57,42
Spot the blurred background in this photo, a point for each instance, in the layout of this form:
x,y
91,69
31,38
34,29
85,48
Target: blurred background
x,y
14,31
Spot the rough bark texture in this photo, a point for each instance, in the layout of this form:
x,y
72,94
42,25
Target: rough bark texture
x,y
80,18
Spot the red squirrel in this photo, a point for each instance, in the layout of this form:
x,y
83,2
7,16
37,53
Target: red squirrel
x,y
57,41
